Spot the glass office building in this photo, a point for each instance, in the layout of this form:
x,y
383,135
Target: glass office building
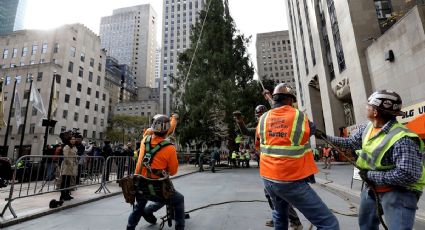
x,y
12,14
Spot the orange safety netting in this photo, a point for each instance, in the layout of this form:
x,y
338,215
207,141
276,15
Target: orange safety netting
x,y
417,125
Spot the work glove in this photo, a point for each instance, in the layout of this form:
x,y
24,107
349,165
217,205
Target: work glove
x,y
320,134
363,175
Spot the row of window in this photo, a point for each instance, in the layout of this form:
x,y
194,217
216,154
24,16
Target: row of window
x,y
274,49
131,108
24,51
277,68
278,43
180,6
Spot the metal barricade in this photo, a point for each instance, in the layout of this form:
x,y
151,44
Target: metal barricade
x,y
116,167
35,175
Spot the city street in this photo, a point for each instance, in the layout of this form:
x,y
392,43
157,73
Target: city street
x,y
199,189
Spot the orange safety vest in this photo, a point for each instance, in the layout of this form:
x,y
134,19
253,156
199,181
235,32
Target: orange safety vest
x,y
286,155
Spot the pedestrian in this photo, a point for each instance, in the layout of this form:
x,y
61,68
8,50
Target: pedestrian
x,y
201,161
390,157
107,152
214,156
80,153
287,163
69,166
163,161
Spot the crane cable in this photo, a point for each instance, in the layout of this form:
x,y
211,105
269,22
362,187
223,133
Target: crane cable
x,y
196,48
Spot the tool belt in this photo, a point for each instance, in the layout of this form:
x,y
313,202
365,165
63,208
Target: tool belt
x,y
159,190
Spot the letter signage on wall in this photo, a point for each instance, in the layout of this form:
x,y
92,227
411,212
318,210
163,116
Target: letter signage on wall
x,y
411,112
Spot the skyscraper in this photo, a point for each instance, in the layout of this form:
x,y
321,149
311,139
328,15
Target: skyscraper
x,y
178,15
274,58
129,35
12,14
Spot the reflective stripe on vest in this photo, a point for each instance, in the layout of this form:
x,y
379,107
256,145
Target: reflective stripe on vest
x,y
297,132
371,160
378,145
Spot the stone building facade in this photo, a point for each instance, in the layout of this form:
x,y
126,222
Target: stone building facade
x,y
74,53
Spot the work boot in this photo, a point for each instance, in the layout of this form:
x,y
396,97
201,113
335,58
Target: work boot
x,y
269,223
296,226
150,218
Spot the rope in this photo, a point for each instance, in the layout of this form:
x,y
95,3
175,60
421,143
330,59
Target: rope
x,y
372,187
196,48
165,218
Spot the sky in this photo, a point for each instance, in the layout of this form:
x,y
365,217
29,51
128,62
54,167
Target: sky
x,y
250,16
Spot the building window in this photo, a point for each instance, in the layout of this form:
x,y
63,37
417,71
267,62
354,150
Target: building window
x,y
39,76
76,116
67,98
5,53
81,72
15,52
72,51
65,114
95,107
77,101
90,76
97,94
88,91
92,62
68,83
99,67
79,86
94,135
104,97
56,48
32,128
87,105
337,39
71,67
98,80
82,57
86,118
94,120
103,109
24,51
85,133
34,49
102,122
44,48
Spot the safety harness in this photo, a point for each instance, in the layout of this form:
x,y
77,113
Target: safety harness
x,y
161,189
150,154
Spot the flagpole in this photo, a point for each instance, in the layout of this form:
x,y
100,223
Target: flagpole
x,y
46,132
25,118
5,147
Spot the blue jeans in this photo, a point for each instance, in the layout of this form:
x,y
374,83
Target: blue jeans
x,y
399,209
177,201
302,197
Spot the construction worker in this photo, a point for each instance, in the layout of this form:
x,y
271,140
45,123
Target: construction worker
x,y
327,157
292,214
247,158
391,160
234,157
287,163
164,161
